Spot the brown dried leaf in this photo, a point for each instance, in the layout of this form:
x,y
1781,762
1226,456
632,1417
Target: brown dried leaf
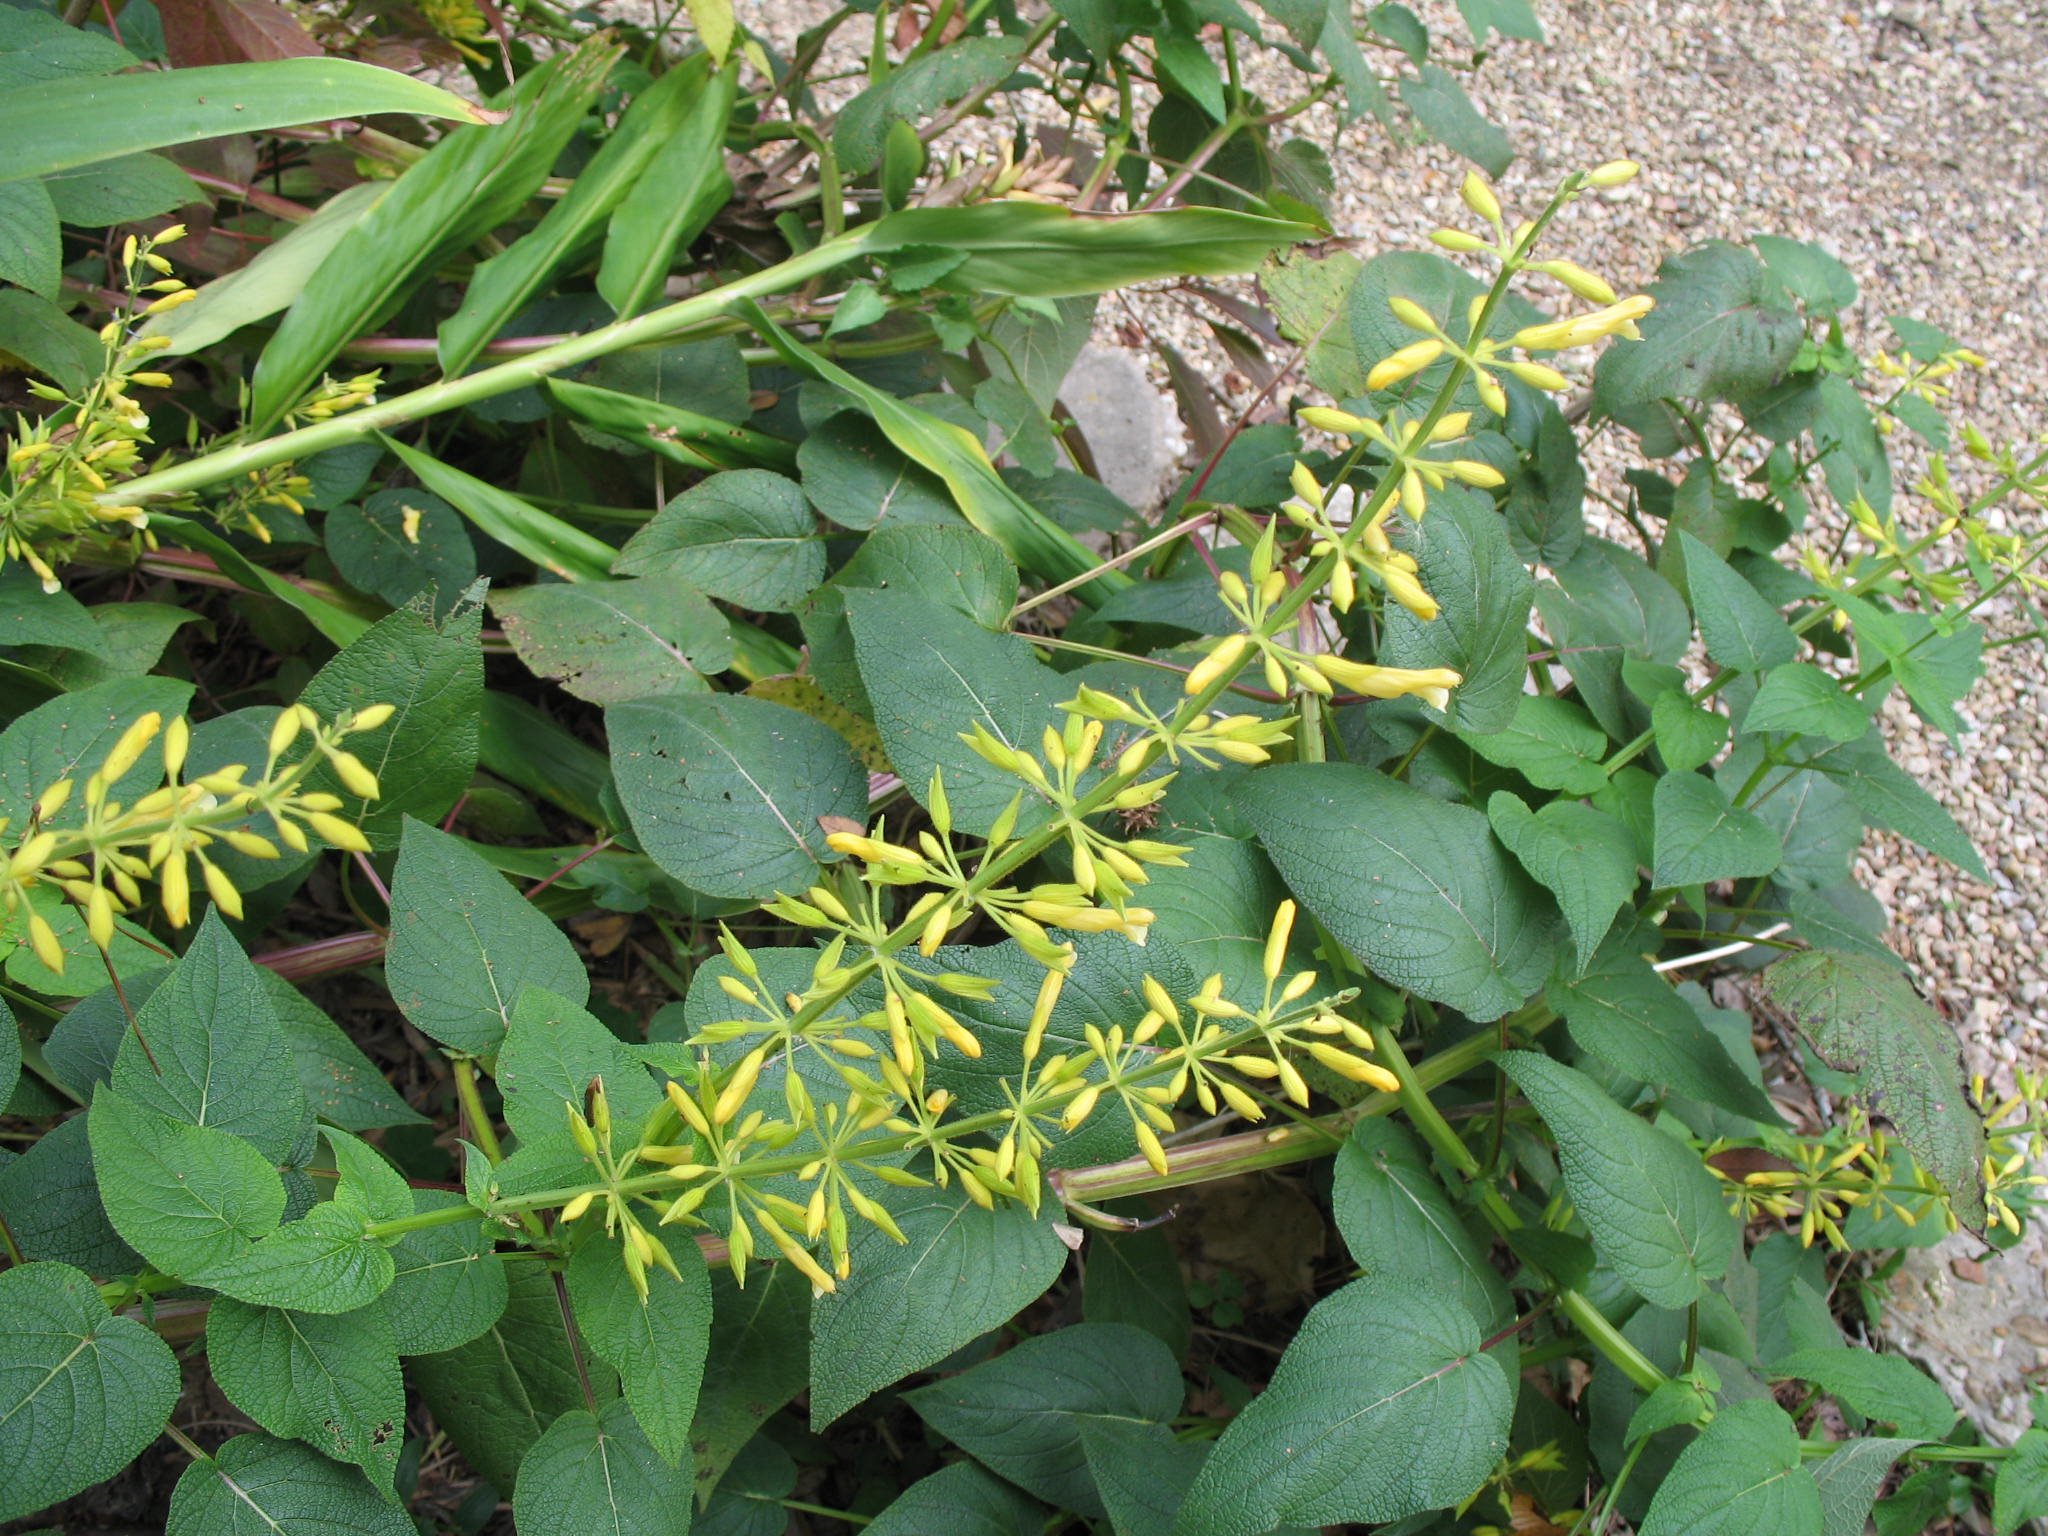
x,y
232,32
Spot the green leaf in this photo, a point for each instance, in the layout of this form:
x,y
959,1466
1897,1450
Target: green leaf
x,y
502,286
856,477
759,1358
207,1049
611,641
31,247
1937,670
1627,1015
724,792
31,616
187,1198
131,640
400,543
468,184
1718,332
1849,1480
1186,63
746,536
118,191
463,944
1743,632
1415,888
671,201
1550,742
658,1346
1815,278
1584,857
269,283
1804,700
49,341
343,1085
1654,1212
332,1382
1484,593
323,1262
1888,1388
55,124
432,673
1688,735
1135,1278
341,624
1141,1471
552,1050
133,948
960,1500
595,1473
1217,908
932,673
1861,1016
1892,798
558,548
81,1393
36,45
1021,1414
10,1053
1446,113
257,1486
2021,1490
448,1283
50,1199
69,737
905,1306
1400,1225
697,439
916,90
1382,1407
1816,821
1700,836
368,1186
1742,1475
496,1394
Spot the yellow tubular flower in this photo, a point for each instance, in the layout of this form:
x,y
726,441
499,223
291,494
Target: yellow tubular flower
x,y
1478,196
1219,663
1612,174
1325,419
1396,366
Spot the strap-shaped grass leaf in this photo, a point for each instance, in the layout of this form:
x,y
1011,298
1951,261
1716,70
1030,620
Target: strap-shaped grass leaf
x,y
464,942
961,1500
724,792
1551,742
675,195
257,1486
905,1306
559,548
1399,1223
1742,1476
1484,593
495,1395
464,187
1700,836
448,1283
1383,1406
216,1053
610,641
1416,888
432,673
657,1346
747,536
332,1382
184,1197
1743,632
1020,1414
694,438
1849,1480
1799,697
1583,856
596,1472
1860,1015
759,1358
1628,1016
1888,1388
81,1393
55,124
1654,1212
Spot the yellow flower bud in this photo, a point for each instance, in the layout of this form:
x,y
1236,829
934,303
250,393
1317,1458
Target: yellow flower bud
x,y
221,889
1538,376
1220,663
739,1086
1491,395
1305,484
1478,196
1148,1144
283,732
177,889
1324,419
1458,240
1396,366
1612,174
1414,316
128,750
1586,285
356,778
341,834
1276,940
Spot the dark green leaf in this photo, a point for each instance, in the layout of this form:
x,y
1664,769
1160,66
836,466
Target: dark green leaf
x,y
1654,1212
1857,462
916,90
448,1283
1888,1388
69,737
1741,1476
759,1358
552,1051
1718,332
31,247
36,45
257,1486
50,1200
1743,632
118,191
1550,742
1861,1016
2021,1490
961,1500
657,1345
185,1197
1448,116
81,1393
855,476
1135,1278
1815,278
610,641
1700,836
559,548
725,792
343,1085
1891,798
366,1184
745,536
1484,594
1583,856
672,200
397,544
332,1382
48,340
905,1306
323,1262
1849,1480
1416,888
1399,1224
593,1473
1383,1406
1803,699
432,673
1141,1471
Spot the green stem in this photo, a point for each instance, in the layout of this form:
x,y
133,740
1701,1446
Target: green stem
x,y
450,394
480,1128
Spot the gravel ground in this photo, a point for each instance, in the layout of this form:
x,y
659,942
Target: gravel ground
x,y
1906,138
